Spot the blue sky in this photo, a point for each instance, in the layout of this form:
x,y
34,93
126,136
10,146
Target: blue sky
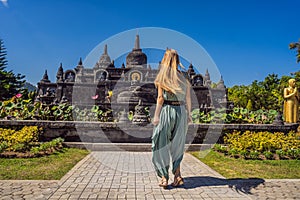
x,y
247,39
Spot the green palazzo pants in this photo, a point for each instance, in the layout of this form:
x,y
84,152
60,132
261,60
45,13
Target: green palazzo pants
x,y
168,139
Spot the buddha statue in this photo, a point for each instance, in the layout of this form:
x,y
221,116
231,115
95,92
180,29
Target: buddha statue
x,y
291,102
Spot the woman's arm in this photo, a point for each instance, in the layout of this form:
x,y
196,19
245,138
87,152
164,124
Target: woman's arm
x,y
188,102
159,103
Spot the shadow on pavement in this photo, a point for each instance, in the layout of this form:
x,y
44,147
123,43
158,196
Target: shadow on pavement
x,y
239,184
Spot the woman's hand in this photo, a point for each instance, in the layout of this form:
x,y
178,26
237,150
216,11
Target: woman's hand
x,y
155,121
190,120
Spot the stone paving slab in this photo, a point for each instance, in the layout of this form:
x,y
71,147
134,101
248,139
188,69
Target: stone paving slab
x,y
130,175
27,189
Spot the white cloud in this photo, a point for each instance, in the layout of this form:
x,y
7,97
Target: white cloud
x,y
5,3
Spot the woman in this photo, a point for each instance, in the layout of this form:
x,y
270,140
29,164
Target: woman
x,y
171,118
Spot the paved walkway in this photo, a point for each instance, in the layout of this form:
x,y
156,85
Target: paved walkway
x,y
130,175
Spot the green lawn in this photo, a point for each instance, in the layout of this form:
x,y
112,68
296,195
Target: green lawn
x,y
51,167
239,168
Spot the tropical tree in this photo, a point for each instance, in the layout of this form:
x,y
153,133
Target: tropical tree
x,y
266,94
10,84
296,46
239,95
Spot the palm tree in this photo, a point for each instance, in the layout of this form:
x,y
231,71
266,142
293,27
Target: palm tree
x,y
296,46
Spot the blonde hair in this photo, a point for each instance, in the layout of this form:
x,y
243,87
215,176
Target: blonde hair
x,y
168,77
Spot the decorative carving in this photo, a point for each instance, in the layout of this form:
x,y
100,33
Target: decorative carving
x,y
123,76
191,72
136,58
60,73
140,116
197,80
135,76
278,119
123,117
69,76
104,60
64,99
221,84
146,76
45,77
101,76
79,67
49,92
207,81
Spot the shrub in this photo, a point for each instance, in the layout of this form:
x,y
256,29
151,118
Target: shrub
x,y
254,145
268,155
233,152
244,153
47,147
19,140
26,140
24,143
237,115
254,155
3,146
26,109
294,153
220,148
281,154
262,141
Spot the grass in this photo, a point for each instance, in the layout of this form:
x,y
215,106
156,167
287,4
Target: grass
x,y
240,168
52,167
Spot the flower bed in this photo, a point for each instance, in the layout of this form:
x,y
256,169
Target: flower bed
x,y
261,145
24,143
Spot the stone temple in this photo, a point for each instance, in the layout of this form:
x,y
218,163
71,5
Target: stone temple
x,y
124,86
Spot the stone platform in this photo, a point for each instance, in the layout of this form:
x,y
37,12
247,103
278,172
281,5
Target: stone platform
x,y
112,132
134,147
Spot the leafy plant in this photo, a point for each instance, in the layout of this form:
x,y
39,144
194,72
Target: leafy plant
x,y
268,154
130,115
254,155
19,140
266,94
47,147
281,154
3,146
255,144
237,115
26,140
220,148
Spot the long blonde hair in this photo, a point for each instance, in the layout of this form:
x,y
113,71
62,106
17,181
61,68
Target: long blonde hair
x,y
168,77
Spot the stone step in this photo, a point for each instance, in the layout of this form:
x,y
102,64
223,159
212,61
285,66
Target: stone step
x,y
135,147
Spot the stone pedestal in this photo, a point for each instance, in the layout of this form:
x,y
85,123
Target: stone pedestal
x,y
123,117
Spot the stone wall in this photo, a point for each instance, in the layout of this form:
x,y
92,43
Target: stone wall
x,y
109,132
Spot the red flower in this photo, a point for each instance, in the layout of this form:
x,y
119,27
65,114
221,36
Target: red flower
x,y
18,95
95,97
